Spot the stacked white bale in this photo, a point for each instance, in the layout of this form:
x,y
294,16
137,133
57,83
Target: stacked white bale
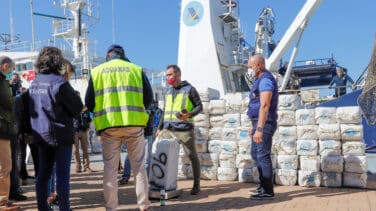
x,y
245,102
243,134
286,177
331,179
355,148
229,147
201,120
233,103
207,94
205,108
230,134
227,160
309,178
348,115
329,147
245,121
351,132
307,147
209,165
355,174
289,162
332,163
305,117
227,170
231,120
215,146
325,115
244,147
329,132
245,175
185,172
307,132
289,102
217,107
202,133
309,163
215,133
216,121
201,146
227,174
286,117
286,140
244,161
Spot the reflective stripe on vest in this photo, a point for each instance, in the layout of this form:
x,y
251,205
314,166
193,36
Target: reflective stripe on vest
x,y
118,95
176,105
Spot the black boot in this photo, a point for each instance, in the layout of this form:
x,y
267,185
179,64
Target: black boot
x,y
196,188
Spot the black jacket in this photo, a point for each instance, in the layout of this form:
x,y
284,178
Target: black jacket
x,y
6,109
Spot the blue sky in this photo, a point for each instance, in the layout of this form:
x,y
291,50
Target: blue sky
x,y
149,30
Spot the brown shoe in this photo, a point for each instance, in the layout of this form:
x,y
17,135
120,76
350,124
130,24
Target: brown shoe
x,y
9,206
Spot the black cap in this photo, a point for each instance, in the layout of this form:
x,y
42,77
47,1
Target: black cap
x,y
116,48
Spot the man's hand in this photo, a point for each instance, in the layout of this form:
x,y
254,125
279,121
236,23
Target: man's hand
x,y
184,116
257,137
157,132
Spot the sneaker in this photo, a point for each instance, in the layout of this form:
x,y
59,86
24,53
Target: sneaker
x,y
123,181
262,196
258,190
9,206
195,190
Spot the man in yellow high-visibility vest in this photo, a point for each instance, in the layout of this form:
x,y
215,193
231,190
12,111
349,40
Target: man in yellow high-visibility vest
x,y
118,93
182,103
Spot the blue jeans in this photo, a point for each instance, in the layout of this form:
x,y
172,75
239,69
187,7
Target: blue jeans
x,y
261,153
48,155
148,148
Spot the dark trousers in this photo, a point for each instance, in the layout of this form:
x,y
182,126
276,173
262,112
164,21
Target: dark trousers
x,y
48,155
261,153
22,153
14,182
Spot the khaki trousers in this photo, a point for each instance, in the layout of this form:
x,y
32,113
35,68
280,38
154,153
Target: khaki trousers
x,y
133,137
5,169
81,137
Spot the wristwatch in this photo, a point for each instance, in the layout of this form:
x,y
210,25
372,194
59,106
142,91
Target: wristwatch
x,y
260,129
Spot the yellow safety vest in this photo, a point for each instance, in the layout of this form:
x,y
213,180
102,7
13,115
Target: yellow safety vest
x,y
118,95
181,101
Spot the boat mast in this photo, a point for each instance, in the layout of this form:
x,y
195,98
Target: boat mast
x,y
32,26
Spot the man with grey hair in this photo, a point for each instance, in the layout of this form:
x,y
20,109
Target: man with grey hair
x,y
6,132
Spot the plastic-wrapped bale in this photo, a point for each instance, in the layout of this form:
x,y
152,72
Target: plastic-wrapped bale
x,y
307,132
349,115
209,159
217,107
351,132
229,147
244,147
161,104
244,161
255,175
233,102
245,175
355,180
231,120
355,148
286,147
333,163
286,177
329,147
216,120
215,133
184,159
309,178
325,115
230,134
207,94
185,172
227,174
306,147
286,117
275,146
276,135
287,132
242,133
331,179
215,146
289,162
289,102
309,163
245,121
201,146
329,132
202,133
205,108
209,172
201,120
245,102
355,164
227,160
305,117
274,161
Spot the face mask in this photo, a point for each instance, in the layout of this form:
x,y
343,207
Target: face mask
x,y
9,75
171,80
251,72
